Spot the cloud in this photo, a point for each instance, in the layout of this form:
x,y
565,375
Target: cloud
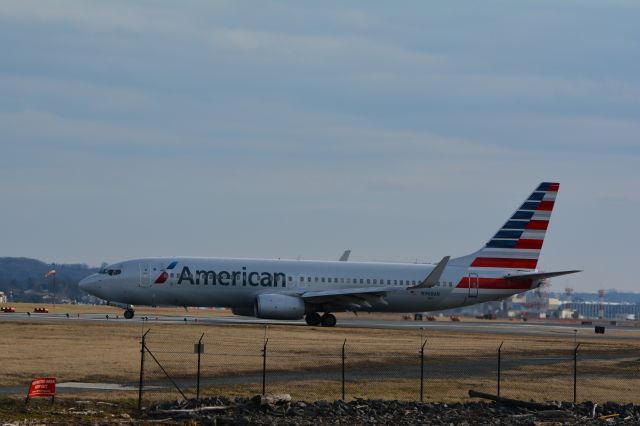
x,y
89,16
79,93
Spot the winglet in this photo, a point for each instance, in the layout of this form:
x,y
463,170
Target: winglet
x,y
345,256
433,277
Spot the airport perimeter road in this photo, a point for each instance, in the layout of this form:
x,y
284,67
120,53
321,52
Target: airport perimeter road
x,y
491,327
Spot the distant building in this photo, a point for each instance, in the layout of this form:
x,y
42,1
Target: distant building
x,y
3,297
611,310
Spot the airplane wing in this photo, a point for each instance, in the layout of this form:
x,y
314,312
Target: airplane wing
x,y
539,275
361,297
345,256
354,297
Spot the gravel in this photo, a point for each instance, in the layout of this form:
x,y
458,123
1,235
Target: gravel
x,y
281,410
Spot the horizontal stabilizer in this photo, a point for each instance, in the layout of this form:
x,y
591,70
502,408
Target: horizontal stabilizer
x,y
539,275
434,277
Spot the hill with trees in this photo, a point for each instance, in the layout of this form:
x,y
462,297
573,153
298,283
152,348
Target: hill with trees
x,y
23,280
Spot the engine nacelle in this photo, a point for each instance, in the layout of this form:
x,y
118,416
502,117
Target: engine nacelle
x,y
279,306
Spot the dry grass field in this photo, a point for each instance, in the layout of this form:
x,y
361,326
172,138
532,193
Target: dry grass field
x,y
305,361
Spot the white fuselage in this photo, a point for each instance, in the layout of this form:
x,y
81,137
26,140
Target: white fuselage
x,y
235,283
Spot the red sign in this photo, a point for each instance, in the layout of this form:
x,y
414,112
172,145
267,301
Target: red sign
x,y
42,387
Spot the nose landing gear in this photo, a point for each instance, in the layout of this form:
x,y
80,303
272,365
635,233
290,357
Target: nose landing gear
x,y
128,313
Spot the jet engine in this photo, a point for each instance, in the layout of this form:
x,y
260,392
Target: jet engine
x,y
279,306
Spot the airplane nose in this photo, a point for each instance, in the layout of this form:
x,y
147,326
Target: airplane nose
x,y
87,284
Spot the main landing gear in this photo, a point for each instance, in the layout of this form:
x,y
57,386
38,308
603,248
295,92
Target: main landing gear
x,y
128,313
326,320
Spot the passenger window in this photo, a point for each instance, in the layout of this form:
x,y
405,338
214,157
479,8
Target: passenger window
x,y
341,280
368,281
375,281
401,282
290,278
322,279
395,282
361,280
348,280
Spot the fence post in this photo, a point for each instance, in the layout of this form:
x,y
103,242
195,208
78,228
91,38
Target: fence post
x,y
198,378
264,367
499,365
422,371
143,348
344,345
575,372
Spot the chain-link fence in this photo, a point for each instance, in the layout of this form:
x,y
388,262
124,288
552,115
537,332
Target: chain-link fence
x,y
431,368
100,360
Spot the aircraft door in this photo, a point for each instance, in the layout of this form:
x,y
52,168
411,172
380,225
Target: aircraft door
x,y
474,284
298,281
145,275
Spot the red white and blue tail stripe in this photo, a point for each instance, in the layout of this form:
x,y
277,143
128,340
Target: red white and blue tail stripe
x,y
518,243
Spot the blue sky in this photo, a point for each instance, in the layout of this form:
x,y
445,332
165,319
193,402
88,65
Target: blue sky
x,y
276,129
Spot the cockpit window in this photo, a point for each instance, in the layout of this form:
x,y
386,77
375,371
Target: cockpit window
x,y
105,271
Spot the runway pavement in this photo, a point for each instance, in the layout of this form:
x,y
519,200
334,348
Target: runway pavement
x,y
491,327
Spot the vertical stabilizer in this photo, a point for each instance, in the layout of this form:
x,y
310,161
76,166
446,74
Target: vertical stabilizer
x,y
518,242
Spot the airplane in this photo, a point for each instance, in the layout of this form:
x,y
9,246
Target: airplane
x,y
295,289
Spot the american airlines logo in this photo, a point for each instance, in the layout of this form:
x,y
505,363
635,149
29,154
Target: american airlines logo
x,y
234,278
164,275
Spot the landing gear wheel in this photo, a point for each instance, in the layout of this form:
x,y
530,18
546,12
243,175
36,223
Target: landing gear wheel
x,y
328,320
313,318
128,314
